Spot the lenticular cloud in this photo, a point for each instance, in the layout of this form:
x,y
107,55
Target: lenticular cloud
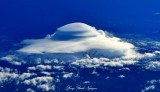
x,y
79,37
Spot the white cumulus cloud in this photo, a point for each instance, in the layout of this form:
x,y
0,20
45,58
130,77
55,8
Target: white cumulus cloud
x,y
79,37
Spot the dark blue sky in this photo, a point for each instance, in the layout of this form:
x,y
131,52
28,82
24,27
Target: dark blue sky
x,y
37,18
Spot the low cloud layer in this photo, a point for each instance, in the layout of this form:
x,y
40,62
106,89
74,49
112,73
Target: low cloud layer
x,y
50,69
79,37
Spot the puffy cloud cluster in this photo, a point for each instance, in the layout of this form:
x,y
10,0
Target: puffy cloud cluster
x,y
152,85
149,88
44,83
44,75
7,76
11,59
154,65
97,62
68,75
43,67
34,79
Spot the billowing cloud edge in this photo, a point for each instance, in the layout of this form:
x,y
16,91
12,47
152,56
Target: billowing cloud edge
x,y
80,37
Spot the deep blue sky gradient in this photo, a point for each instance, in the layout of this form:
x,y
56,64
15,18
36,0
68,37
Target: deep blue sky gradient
x,y
36,18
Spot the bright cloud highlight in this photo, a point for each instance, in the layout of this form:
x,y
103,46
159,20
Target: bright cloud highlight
x,y
80,37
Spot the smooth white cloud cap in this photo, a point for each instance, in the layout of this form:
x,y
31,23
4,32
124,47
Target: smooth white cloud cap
x,y
79,37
